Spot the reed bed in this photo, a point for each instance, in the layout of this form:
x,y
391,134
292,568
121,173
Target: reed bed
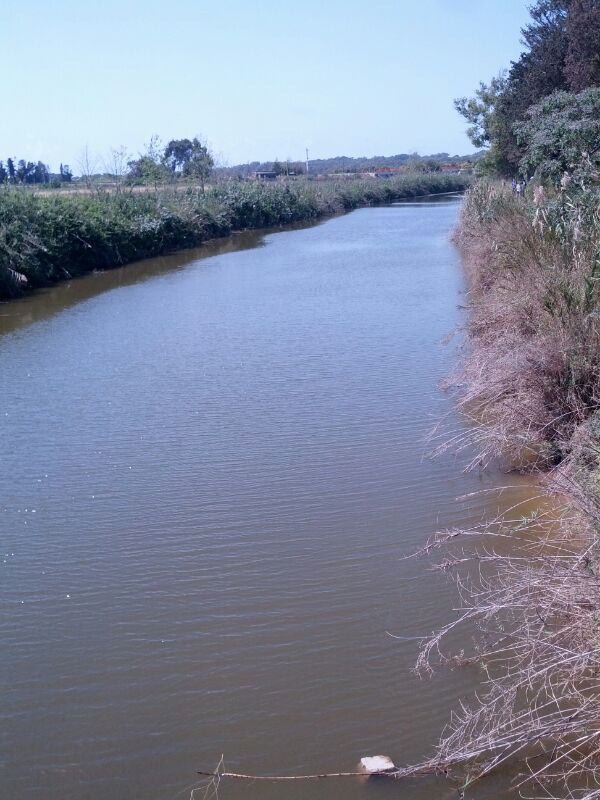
x,y
45,238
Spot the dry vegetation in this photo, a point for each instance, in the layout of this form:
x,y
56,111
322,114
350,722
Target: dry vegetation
x,y
533,372
530,382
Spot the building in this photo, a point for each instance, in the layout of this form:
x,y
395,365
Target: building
x,y
264,176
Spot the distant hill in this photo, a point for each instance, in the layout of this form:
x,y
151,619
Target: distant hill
x,y
324,166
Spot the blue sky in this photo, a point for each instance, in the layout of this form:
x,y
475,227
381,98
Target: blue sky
x,y
258,79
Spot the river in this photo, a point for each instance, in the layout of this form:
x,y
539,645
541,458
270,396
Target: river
x,y
213,465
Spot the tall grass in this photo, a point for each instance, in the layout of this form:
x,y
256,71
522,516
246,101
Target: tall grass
x,y
44,239
531,382
533,371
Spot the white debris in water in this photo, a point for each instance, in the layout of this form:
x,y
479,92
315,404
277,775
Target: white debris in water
x,y
372,765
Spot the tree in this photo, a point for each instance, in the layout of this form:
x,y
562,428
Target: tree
x,y
423,165
41,173
562,134
3,173
145,170
177,154
479,111
190,158
12,173
66,174
149,168
116,164
200,163
582,61
26,171
490,125
87,166
539,71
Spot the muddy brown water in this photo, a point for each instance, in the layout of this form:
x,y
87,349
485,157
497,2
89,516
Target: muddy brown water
x,y
213,465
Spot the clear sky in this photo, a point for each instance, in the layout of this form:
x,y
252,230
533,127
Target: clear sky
x,y
258,79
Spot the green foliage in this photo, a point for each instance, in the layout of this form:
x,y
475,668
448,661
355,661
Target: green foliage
x,y
562,135
150,168
65,173
479,111
44,239
145,170
187,158
346,164
425,165
582,62
190,157
563,53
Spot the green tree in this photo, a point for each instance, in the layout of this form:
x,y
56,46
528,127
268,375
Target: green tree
x,y
562,135
200,163
10,168
149,168
489,124
540,70
177,154
41,173
424,165
480,110
582,62
189,157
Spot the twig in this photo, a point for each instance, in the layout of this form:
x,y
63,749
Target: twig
x,y
405,772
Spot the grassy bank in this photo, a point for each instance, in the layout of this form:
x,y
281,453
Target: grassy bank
x,y
530,383
533,372
47,239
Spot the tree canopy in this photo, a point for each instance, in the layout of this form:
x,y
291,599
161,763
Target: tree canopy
x,y
562,54
189,158
562,134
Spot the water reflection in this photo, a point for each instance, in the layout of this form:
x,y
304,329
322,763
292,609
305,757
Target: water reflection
x,y
47,302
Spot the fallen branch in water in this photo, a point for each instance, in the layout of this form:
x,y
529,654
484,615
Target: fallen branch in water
x,y
371,767
280,777
403,772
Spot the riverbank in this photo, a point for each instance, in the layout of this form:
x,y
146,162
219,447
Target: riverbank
x,y
45,239
530,384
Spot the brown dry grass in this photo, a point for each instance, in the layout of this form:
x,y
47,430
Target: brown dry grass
x,y
530,382
532,374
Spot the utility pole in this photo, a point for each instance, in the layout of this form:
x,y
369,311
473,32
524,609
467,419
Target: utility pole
x,y
307,160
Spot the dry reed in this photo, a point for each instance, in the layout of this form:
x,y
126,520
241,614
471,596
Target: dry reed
x,y
530,383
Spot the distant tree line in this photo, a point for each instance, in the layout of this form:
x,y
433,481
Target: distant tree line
x,y
28,172
562,55
346,164
158,164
